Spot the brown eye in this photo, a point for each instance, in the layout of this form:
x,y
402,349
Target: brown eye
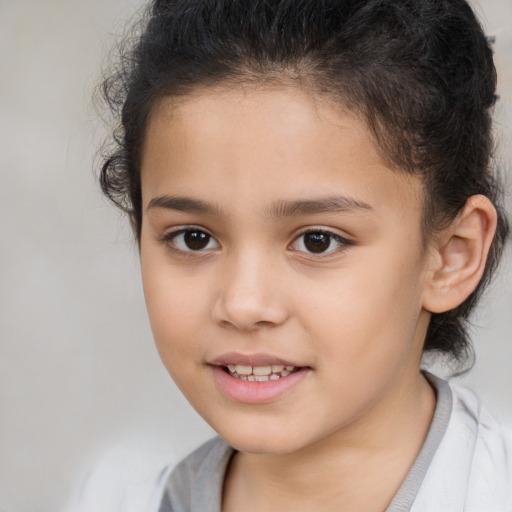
x,y
196,240
191,240
317,242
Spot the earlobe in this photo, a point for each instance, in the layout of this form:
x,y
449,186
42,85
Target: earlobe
x,y
458,261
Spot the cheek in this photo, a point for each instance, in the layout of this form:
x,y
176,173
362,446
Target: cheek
x,y
176,309
368,312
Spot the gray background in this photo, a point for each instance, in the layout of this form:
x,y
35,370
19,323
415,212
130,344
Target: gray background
x,y
78,370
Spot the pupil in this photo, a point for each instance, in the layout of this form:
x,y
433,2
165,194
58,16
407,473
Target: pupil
x,y
196,240
317,242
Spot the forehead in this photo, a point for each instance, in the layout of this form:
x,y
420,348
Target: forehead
x,y
242,147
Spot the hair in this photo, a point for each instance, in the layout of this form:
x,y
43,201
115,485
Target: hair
x,y
420,73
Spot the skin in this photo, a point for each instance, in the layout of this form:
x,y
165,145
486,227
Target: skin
x,y
344,437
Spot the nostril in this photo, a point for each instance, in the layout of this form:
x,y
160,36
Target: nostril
x,y
264,323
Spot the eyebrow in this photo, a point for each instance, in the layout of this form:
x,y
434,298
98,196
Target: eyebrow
x,y
278,210
183,204
328,204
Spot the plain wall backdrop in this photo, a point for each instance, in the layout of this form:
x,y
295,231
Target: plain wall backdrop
x,y
78,369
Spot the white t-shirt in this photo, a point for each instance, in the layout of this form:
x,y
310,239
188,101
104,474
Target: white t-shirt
x,y
465,465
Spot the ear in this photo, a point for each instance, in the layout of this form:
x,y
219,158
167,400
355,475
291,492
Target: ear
x,y
457,259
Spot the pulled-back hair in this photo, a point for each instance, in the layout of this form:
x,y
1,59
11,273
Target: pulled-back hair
x,y
420,73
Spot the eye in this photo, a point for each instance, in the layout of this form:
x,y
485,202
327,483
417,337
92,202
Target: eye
x,y
319,242
191,240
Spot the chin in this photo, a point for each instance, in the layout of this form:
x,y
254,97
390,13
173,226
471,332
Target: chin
x,y
260,446
257,439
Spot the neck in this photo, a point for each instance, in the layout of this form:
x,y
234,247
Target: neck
x,y
356,468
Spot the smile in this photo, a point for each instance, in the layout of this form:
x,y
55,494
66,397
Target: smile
x,y
256,378
260,373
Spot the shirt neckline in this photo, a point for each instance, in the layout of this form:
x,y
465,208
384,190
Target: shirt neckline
x,y
218,455
406,494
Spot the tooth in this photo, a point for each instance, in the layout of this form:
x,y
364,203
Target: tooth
x,y
251,378
276,368
261,378
242,369
242,377
232,368
284,373
274,377
289,368
261,370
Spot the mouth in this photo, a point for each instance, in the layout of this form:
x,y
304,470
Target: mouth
x,y
256,378
260,373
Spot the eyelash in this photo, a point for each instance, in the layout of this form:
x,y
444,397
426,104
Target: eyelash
x,y
169,240
343,243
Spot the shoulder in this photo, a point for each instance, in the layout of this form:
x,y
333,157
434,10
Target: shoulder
x,y
492,439
196,482
490,472
129,478
472,467
135,478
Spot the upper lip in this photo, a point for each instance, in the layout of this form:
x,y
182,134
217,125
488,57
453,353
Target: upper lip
x,y
252,360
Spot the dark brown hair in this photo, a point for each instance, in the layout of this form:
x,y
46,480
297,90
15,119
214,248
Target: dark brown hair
x,y
420,73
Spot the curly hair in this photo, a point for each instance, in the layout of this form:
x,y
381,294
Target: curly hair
x,y
420,73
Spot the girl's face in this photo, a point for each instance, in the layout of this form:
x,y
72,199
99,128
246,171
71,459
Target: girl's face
x,y
275,236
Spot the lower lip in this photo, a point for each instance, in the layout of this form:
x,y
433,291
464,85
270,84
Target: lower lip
x,y
255,392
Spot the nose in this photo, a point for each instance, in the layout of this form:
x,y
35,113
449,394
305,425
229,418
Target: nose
x,y
250,296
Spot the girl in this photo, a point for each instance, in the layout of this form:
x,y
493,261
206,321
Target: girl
x,y
309,183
